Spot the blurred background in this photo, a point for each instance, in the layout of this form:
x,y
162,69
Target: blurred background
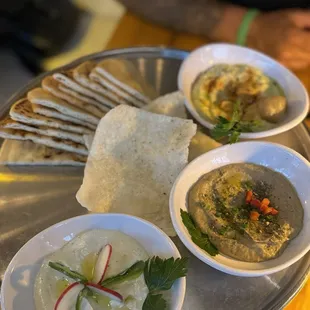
x,y
39,35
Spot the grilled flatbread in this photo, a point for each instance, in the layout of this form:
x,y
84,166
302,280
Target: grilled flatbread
x,y
65,145
42,130
81,75
27,153
42,97
66,78
39,109
123,73
52,86
21,111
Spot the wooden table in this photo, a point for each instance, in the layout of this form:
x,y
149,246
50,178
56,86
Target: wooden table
x,y
133,31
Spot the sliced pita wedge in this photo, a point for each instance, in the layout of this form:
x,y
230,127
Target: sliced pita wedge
x,y
66,78
81,74
124,74
42,130
65,145
52,86
27,153
21,111
39,109
42,97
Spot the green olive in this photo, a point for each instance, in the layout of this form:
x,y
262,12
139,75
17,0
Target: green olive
x,y
272,109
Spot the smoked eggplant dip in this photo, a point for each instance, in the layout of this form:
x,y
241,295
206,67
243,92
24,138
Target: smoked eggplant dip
x,y
261,99
105,269
247,211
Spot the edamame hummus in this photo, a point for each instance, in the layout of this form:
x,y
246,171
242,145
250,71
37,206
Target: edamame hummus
x,y
249,212
216,91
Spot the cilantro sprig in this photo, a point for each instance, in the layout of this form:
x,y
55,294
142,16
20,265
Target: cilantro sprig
x,y
232,128
198,237
159,275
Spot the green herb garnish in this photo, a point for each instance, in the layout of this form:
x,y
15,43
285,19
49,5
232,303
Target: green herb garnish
x,y
233,128
154,302
198,237
67,271
130,273
159,275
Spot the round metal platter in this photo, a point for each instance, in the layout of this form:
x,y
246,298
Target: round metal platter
x,y
33,198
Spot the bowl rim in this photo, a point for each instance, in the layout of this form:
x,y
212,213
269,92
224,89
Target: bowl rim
x,y
247,135
181,281
199,253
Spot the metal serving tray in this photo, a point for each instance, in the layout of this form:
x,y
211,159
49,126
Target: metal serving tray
x,y
33,198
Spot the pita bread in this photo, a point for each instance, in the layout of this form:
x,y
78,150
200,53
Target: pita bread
x,y
123,73
42,97
79,96
81,75
39,109
65,145
42,130
133,162
21,111
67,80
51,85
27,153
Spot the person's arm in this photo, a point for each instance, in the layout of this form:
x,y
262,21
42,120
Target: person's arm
x,y
217,20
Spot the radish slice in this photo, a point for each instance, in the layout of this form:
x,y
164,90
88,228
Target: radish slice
x,y
105,292
102,263
68,296
84,305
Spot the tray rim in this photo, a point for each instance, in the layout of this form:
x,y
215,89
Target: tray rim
x,y
166,53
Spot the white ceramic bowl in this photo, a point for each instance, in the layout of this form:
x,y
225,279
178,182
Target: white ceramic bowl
x,y
18,282
279,158
209,55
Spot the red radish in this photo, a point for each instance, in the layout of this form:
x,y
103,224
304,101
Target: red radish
x,y
102,263
105,292
68,296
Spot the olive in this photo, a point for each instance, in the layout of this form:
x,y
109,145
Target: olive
x,y
272,109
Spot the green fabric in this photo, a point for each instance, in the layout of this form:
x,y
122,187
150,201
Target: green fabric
x,y
245,26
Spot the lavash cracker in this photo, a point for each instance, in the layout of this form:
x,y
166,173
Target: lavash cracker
x,y
133,162
173,105
52,86
41,97
66,145
66,79
8,123
27,153
21,111
81,75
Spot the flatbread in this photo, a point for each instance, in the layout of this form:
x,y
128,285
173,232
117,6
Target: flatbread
x,y
42,130
66,78
27,153
39,109
133,162
51,85
173,105
42,97
123,73
81,75
21,111
65,145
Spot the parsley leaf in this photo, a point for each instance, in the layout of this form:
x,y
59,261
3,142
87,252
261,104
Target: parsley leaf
x,y
233,128
198,237
160,274
154,302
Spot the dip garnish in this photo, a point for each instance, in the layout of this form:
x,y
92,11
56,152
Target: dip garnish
x,y
262,206
232,128
159,275
198,237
